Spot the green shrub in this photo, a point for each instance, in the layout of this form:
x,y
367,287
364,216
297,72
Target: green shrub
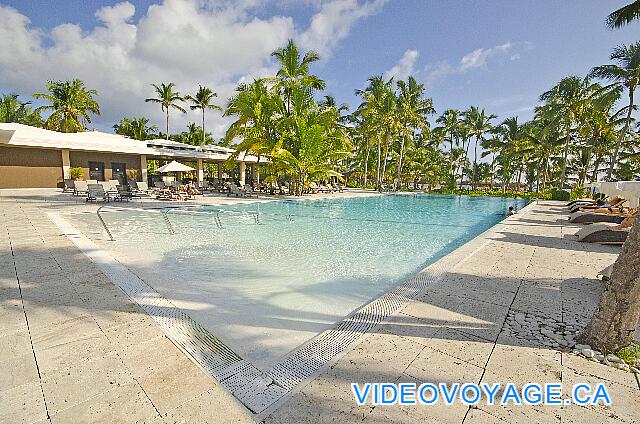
x,y
629,354
558,194
76,173
577,193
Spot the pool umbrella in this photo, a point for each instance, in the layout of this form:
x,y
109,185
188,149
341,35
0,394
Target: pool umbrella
x,y
174,166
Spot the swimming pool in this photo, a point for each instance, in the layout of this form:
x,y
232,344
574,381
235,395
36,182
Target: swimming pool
x,y
265,277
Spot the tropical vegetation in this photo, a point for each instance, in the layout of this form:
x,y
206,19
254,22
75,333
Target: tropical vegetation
x,y
583,129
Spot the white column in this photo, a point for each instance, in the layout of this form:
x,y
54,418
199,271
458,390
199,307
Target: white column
x,y
200,172
243,168
143,168
66,165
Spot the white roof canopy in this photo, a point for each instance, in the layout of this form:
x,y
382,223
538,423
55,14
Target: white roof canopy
x,y
19,135
174,166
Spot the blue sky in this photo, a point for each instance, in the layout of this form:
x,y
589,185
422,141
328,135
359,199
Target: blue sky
x,y
499,55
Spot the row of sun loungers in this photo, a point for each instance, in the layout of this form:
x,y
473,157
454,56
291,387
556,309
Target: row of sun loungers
x,y
608,222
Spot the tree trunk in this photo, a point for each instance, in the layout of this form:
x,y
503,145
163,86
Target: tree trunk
x,y
167,123
466,155
400,163
366,164
621,137
475,162
386,153
452,170
564,161
618,314
203,138
378,187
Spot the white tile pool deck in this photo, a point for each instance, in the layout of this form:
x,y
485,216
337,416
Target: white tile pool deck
x,y
73,348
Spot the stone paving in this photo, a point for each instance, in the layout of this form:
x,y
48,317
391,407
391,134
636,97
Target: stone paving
x,y
462,330
73,348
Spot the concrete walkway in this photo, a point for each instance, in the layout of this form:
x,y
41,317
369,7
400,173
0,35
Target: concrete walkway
x,y
456,332
73,348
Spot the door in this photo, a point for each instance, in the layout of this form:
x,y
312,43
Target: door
x,y
119,172
96,171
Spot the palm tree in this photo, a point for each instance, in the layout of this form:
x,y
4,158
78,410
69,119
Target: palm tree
x,y
256,111
413,109
71,103
202,101
450,125
168,99
13,110
478,123
380,109
294,72
564,105
625,75
624,15
136,128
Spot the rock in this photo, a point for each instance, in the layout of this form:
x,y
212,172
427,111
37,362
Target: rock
x,y
613,358
582,346
599,357
592,359
587,353
605,362
623,367
575,351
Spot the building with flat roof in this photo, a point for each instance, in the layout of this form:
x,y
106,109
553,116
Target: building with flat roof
x,y
33,157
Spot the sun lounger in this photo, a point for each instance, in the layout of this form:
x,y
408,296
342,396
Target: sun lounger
x,y
123,193
92,181
95,192
324,189
615,203
80,188
589,218
69,185
313,188
602,233
249,191
235,190
584,200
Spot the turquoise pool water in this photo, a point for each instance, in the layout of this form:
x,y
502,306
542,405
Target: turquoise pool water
x,y
267,276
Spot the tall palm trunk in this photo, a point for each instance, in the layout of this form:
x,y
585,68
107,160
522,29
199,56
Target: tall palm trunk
x,y
400,163
466,156
475,162
565,154
493,164
618,314
366,165
452,170
621,137
386,153
167,123
203,137
378,186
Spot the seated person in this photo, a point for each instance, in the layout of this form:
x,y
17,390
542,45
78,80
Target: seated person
x,y
191,189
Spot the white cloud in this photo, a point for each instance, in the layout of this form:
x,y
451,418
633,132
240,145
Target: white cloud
x,y
189,42
333,23
404,67
478,58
